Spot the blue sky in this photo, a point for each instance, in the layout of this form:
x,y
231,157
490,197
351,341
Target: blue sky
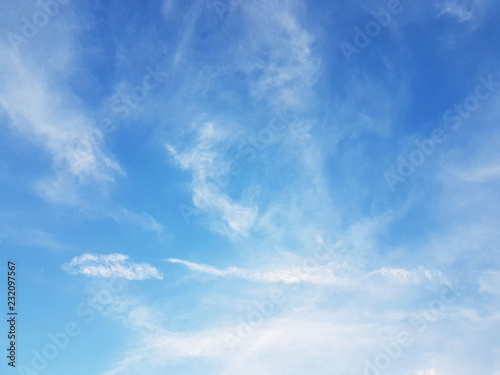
x,y
242,187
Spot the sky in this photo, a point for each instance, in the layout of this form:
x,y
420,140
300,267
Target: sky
x,y
251,187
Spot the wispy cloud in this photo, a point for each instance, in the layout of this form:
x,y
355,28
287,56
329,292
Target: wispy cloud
x,y
458,10
415,276
330,274
337,339
124,216
32,237
483,174
286,74
110,266
489,282
42,112
204,162
44,115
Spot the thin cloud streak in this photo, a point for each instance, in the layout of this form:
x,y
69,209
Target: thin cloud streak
x,y
329,274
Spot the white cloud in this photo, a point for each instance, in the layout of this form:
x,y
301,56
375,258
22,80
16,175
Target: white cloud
x,y
415,276
110,266
34,238
143,220
45,115
285,345
312,272
204,162
44,112
285,76
457,10
484,174
274,52
330,274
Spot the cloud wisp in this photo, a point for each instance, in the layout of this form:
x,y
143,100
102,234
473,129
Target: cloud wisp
x,y
110,266
331,273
